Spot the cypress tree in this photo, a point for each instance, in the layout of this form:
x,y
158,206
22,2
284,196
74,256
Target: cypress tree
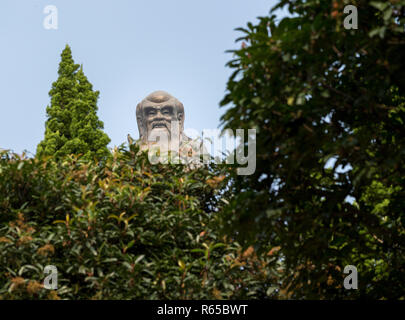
x,y
72,125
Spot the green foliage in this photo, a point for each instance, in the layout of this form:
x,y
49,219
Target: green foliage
x,y
120,229
317,92
73,126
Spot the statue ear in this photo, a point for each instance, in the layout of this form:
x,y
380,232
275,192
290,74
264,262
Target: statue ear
x,y
180,116
139,121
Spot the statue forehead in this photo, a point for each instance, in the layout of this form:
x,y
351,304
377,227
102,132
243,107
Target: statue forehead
x,y
158,97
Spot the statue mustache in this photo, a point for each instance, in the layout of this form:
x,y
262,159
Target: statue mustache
x,y
159,124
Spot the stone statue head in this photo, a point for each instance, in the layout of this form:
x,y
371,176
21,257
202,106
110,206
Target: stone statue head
x,y
160,118
156,112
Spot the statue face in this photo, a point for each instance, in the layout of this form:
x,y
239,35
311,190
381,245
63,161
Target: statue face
x,y
157,112
158,117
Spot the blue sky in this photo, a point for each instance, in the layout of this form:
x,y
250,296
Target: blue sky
x,y
128,49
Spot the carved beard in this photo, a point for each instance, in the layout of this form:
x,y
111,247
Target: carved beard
x,y
166,136
158,132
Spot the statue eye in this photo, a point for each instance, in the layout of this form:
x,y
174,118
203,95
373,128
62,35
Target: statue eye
x,y
167,110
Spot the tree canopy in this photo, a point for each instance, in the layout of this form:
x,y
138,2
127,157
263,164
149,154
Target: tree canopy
x,y
72,126
328,107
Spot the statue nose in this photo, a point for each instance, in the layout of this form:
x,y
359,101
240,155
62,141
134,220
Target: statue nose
x,y
159,116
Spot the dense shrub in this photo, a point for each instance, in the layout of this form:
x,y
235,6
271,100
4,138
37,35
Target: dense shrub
x,y
122,229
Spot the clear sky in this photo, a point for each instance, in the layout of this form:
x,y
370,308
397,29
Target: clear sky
x,y
128,48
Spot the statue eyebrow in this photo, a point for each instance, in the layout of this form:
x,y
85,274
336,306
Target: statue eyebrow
x,y
167,107
149,108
